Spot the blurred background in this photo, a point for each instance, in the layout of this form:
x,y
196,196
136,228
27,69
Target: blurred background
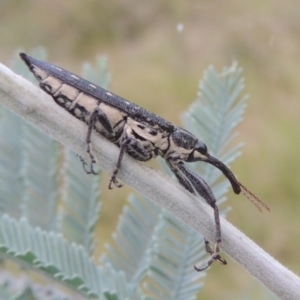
x,y
157,53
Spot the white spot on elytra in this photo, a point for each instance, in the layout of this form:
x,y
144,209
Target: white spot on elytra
x,y
93,86
74,76
57,68
108,94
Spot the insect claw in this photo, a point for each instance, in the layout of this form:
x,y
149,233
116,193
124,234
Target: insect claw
x,y
204,268
222,261
92,169
119,185
85,170
114,183
110,186
215,257
84,164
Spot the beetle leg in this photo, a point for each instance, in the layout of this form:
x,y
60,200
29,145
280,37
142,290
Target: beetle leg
x,y
97,114
204,190
84,164
180,177
130,145
113,179
91,125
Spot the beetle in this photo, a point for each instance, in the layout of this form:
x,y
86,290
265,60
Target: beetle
x,y
138,132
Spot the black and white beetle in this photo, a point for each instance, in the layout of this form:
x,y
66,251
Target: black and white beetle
x,y
138,132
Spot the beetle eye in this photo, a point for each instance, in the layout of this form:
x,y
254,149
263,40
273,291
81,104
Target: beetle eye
x,y
201,147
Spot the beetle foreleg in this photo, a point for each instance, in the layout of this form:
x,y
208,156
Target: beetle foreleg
x,y
180,177
204,190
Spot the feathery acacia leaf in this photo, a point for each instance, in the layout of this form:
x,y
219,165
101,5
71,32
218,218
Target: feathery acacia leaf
x,y
133,239
12,159
219,96
81,208
67,263
40,173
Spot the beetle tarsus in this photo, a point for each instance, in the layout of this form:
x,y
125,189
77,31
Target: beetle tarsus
x,y
215,256
84,164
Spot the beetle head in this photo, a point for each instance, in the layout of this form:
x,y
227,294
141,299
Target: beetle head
x,y
200,153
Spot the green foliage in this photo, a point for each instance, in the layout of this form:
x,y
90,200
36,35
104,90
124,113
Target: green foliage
x,y
10,163
48,218
216,113
213,117
14,157
81,203
40,177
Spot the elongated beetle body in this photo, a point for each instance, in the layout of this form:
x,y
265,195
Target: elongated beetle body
x,y
138,132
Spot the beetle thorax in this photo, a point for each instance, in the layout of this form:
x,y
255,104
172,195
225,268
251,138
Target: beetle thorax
x,y
182,143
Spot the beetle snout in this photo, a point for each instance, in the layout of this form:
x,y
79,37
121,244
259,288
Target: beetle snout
x,y
226,171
